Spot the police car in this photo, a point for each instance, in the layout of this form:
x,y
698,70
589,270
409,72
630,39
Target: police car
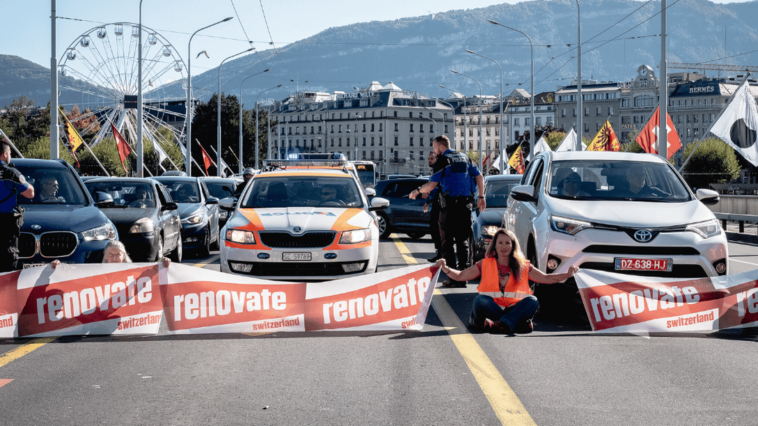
x,y
302,218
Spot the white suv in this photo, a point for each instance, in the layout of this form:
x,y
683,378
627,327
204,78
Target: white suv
x,y
618,212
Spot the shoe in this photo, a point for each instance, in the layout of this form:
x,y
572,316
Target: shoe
x,y
453,284
497,327
434,259
525,327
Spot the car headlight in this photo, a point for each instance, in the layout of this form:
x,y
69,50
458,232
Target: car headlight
x,y
240,236
142,225
489,230
101,233
707,229
194,219
355,237
568,226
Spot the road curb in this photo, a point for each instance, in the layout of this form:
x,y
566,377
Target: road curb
x,y
741,237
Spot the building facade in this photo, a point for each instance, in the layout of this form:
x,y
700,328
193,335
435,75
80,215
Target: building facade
x,y
600,101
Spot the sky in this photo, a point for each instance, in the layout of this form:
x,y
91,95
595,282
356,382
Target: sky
x,y
25,28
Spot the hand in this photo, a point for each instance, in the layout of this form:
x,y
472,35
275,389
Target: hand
x,y
572,270
425,196
426,207
441,264
413,195
54,264
166,262
481,204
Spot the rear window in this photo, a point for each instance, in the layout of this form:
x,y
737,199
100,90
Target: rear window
x,y
52,185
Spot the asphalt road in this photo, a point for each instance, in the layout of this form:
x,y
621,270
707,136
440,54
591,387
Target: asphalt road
x,y
561,374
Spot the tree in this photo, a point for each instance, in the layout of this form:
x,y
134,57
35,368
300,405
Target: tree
x,y
555,138
713,162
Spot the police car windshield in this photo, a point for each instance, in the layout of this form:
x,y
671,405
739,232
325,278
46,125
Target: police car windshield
x,y
302,191
616,180
52,185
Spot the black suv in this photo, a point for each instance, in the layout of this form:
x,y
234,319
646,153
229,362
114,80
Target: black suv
x,y
403,214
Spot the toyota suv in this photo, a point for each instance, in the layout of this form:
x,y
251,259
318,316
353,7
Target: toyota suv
x,y
618,212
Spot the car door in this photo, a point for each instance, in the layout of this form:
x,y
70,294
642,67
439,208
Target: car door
x,y
169,220
526,211
406,212
212,210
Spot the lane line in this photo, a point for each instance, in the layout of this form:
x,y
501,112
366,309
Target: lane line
x,y
23,350
742,261
207,261
504,401
4,382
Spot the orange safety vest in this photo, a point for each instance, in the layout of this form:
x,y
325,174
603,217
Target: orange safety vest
x,y
514,290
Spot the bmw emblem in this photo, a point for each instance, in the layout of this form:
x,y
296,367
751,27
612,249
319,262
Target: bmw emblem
x,y
643,235
36,227
297,229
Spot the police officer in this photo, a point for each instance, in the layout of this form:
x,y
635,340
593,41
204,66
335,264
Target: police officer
x,y
458,179
247,175
434,216
12,183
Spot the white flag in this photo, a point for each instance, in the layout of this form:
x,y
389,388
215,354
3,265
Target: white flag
x,y
540,146
569,142
738,124
158,150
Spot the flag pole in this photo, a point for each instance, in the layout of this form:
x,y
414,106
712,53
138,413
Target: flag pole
x,y
712,124
214,163
87,146
11,143
227,166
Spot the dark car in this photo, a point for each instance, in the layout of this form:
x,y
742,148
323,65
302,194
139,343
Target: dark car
x,y
62,221
497,188
221,188
403,214
145,216
199,212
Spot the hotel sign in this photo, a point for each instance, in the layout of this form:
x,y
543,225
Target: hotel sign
x,y
697,89
356,95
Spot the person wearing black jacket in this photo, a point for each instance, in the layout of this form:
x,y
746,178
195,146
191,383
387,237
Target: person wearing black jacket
x,y
12,183
434,216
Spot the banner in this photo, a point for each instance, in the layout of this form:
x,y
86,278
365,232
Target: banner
x,y
617,303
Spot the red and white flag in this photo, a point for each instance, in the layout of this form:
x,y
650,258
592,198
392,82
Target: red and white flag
x,y
123,147
648,136
207,161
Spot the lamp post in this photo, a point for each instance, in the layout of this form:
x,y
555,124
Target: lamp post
x,y
502,161
140,151
188,107
531,98
480,113
256,124
465,124
219,171
443,118
579,107
256,129
54,154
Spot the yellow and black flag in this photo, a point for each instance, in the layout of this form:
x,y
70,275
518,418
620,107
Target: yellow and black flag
x,y
74,139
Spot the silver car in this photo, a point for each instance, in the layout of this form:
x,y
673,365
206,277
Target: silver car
x,y
619,212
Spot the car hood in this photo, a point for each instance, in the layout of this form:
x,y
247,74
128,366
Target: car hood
x,y
126,216
57,217
305,218
634,214
188,209
491,216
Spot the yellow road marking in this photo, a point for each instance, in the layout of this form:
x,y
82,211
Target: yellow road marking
x,y
207,261
23,350
507,406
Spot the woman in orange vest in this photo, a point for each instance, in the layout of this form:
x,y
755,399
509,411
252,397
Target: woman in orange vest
x,y
506,303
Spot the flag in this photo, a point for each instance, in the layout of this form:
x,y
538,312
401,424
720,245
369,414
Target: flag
x,y
569,142
540,146
648,136
123,147
206,159
74,140
517,161
738,124
158,150
605,139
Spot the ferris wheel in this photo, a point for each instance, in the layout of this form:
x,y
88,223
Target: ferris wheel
x,y
103,64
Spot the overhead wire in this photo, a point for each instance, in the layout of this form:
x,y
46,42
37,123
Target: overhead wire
x,y
267,28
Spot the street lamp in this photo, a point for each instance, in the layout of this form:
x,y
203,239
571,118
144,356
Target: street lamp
x,y
139,95
256,124
480,113
531,98
465,124
256,128
502,161
188,115
219,171
579,107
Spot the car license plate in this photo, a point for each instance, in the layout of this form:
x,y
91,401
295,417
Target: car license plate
x,y
643,264
33,265
296,256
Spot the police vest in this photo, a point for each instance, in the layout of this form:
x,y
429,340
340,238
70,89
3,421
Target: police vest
x,y
8,181
514,290
457,181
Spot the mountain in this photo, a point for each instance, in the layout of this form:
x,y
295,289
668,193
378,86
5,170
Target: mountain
x,y
418,53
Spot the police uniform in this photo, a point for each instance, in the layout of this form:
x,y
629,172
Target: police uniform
x,y
434,220
12,183
454,173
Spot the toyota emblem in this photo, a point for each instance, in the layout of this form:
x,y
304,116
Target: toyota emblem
x,y
297,229
643,235
36,227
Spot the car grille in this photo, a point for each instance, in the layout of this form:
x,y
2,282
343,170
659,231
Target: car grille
x,y
677,271
306,240
282,269
642,250
26,245
57,244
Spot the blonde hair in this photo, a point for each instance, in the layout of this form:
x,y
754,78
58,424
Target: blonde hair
x,y
119,245
516,260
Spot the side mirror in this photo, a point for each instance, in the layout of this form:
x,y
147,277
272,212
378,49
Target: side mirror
x,y
170,206
227,203
379,204
211,200
523,193
103,199
708,196
370,192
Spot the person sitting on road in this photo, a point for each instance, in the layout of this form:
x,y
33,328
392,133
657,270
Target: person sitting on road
x,y
637,184
506,305
49,190
114,252
571,186
143,199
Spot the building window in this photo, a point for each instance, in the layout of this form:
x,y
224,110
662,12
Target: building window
x,y
574,112
396,127
372,127
411,127
597,111
340,141
364,155
364,127
395,112
380,141
471,132
563,112
597,126
380,126
610,110
364,141
516,122
586,112
431,128
381,155
332,142
319,129
527,122
421,128
445,128
411,141
410,114
372,155
372,141
396,141
538,120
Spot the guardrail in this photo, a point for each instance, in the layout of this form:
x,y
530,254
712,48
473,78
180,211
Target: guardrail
x,y
739,208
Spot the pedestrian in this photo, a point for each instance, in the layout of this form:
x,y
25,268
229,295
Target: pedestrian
x,y
114,252
12,183
506,303
247,175
458,179
434,216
